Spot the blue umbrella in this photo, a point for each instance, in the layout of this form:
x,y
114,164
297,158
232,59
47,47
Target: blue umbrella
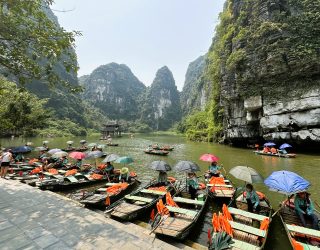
x,y
21,149
285,145
286,182
124,160
269,144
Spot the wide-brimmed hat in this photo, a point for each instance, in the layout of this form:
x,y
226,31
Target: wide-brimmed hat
x,y
124,170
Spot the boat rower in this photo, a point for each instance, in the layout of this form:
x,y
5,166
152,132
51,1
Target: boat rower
x,y
253,199
193,185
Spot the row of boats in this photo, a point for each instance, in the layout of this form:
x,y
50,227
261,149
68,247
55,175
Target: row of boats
x,y
172,211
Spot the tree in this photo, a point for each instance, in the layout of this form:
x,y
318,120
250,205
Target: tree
x,y
31,43
20,111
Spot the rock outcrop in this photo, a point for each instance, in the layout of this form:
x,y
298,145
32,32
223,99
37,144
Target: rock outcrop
x,y
161,102
194,96
115,90
266,62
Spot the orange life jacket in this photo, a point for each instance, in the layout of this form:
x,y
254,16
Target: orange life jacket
x,y
53,171
170,201
97,176
226,212
71,172
265,224
117,188
162,208
161,188
202,186
107,202
297,245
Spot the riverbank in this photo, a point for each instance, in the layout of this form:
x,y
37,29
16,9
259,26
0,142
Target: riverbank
x,y
35,219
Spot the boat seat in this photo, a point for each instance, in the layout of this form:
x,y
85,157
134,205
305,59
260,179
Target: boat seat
x,y
72,179
307,246
138,198
303,230
179,210
102,190
247,229
219,185
254,216
188,201
110,184
238,244
149,191
88,177
62,171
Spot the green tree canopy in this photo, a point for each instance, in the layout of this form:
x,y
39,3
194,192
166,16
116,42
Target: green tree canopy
x,y
31,43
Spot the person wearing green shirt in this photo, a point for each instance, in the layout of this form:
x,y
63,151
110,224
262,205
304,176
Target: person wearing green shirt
x,y
214,169
193,185
305,209
252,198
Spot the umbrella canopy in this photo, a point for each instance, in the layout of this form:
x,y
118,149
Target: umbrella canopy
x,y
29,143
269,144
101,146
209,158
246,174
40,149
54,150
59,154
21,149
110,158
92,144
45,142
286,182
94,154
124,160
77,155
83,141
186,166
160,166
69,142
285,145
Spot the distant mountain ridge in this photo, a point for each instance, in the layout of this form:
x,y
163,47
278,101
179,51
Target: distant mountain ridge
x,y
119,94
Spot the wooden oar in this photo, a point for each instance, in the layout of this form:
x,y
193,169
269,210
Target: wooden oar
x,y
163,218
317,204
274,214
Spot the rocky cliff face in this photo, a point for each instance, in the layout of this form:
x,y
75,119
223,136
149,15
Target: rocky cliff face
x,y
115,90
266,63
161,102
194,95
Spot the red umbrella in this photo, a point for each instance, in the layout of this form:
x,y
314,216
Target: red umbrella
x,y
209,158
77,155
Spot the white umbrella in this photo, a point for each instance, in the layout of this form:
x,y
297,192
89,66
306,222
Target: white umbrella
x,y
246,174
110,158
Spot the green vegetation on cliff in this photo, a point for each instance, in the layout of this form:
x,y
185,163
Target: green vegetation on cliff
x,y
264,48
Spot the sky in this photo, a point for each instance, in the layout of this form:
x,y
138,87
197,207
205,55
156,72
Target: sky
x,y
143,34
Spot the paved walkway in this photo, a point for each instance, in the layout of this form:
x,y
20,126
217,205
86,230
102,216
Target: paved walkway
x,y
35,219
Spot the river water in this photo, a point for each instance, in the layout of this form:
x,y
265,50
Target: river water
x,y
305,165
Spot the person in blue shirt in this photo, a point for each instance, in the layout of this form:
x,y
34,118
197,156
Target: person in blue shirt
x,y
214,169
109,169
305,209
253,200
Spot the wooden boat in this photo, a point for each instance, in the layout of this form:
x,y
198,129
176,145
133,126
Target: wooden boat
x,y
156,152
69,149
166,147
138,203
112,144
305,236
246,226
68,182
276,155
220,188
82,149
183,217
98,198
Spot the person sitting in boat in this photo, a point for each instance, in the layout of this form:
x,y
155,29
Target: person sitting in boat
x,y
124,175
273,150
18,158
78,164
94,148
42,155
162,178
266,150
214,169
253,199
193,185
282,151
305,209
62,162
109,168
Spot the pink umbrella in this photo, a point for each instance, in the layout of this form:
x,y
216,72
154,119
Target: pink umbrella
x,y
77,155
209,158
